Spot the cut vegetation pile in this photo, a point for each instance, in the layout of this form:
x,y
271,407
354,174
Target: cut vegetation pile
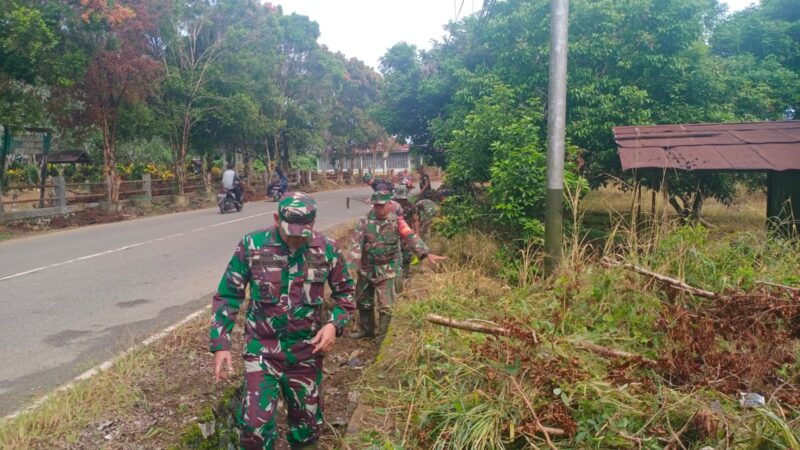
x,y
599,356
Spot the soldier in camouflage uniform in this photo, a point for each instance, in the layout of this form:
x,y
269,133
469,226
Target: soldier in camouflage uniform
x,y
425,188
286,267
376,251
378,183
405,210
425,211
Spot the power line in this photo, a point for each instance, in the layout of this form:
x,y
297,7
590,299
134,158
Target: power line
x,y
458,14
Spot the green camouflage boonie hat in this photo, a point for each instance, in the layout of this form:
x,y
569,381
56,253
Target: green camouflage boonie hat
x,y
367,176
401,193
297,211
380,197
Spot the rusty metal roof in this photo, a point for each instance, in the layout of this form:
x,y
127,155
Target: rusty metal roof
x,y
68,156
752,146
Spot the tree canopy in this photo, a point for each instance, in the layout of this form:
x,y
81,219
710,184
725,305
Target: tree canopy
x,y
633,62
202,76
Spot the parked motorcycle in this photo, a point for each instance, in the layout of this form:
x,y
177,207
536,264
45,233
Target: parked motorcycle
x,y
227,202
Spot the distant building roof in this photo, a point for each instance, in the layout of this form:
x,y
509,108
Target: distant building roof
x,y
68,156
754,146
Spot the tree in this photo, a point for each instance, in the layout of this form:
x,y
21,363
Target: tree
x,y
124,70
770,29
43,50
196,43
634,62
413,94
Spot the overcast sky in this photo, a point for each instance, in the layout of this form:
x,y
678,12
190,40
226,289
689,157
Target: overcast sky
x,y
366,28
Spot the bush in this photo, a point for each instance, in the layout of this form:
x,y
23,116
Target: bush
x,y
20,173
216,173
459,214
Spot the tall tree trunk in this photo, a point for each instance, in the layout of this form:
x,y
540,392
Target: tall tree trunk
x,y
109,162
340,170
268,162
248,164
180,169
205,170
180,158
697,205
680,209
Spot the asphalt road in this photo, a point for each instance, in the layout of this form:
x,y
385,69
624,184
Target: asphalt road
x,y
70,300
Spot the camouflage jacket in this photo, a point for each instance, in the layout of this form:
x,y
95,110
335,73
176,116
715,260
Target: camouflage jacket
x,y
426,210
381,184
376,245
424,182
286,292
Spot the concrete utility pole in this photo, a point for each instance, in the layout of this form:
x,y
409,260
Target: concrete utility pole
x,y
556,119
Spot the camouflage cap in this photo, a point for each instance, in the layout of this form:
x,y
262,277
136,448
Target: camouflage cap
x,y
297,211
367,176
381,197
401,193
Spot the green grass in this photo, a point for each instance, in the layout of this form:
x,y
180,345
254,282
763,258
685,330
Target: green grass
x,y
442,388
65,416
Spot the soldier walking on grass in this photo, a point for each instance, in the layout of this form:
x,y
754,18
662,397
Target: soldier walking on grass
x,y
405,210
286,267
424,212
376,251
425,188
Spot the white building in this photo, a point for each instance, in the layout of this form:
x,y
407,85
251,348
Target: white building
x,y
374,161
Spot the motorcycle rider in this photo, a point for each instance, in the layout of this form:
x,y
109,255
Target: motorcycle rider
x,y
281,183
232,182
406,180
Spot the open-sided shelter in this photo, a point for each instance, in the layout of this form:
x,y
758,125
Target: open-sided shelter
x,y
771,147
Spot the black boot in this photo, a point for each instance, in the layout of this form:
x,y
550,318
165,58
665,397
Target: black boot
x,y
383,326
366,325
399,283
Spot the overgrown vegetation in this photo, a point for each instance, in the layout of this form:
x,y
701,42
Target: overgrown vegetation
x,y
438,387
638,62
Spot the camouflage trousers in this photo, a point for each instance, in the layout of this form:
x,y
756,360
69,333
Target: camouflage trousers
x,y
399,281
367,290
301,386
425,229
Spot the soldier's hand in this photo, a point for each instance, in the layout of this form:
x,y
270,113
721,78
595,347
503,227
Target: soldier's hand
x,y
435,259
325,338
222,357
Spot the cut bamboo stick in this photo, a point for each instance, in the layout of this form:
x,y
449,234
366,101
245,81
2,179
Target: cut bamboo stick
x,y
779,286
499,331
678,284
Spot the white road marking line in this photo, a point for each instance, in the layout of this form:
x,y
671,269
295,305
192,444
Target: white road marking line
x,y
238,220
38,269
107,364
110,363
127,247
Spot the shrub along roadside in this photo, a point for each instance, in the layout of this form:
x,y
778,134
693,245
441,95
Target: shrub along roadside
x,y
437,387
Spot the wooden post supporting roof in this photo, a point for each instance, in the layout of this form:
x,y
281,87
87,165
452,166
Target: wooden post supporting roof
x,y
783,202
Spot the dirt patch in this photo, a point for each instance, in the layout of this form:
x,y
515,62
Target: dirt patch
x,y
737,343
64,338
133,303
180,388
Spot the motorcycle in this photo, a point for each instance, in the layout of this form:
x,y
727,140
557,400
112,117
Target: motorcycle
x,y
227,202
276,189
